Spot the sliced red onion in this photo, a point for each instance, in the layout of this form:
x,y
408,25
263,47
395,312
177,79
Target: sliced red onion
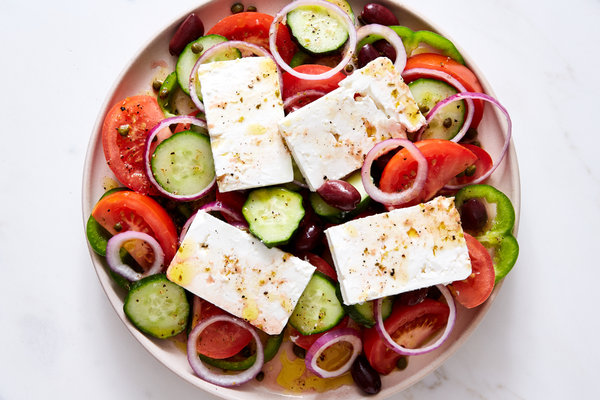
x,y
391,199
349,48
490,99
328,339
291,101
238,219
116,264
411,73
389,35
217,48
165,123
383,333
210,375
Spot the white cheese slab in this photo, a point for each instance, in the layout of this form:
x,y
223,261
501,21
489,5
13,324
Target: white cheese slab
x,y
399,251
238,273
243,105
330,137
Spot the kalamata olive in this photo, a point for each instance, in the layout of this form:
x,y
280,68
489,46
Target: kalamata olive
x,y
385,49
367,54
374,13
190,29
308,236
473,215
339,194
365,376
414,296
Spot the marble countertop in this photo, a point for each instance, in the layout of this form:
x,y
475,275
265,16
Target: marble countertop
x,y
60,336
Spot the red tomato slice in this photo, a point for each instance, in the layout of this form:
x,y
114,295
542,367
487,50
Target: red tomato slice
x,y
483,164
445,159
476,289
125,153
305,341
221,339
136,212
254,27
322,266
409,326
461,73
293,85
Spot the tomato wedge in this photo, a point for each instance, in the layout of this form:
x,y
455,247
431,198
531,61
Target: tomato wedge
x,y
254,27
221,339
124,134
445,159
293,85
483,164
476,289
409,326
461,73
131,211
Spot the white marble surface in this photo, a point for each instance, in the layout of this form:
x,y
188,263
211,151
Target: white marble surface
x,y
60,336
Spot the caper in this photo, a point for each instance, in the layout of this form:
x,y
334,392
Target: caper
x,y
299,351
164,93
260,376
402,363
124,130
470,171
447,122
424,109
197,48
471,134
237,8
118,227
251,9
349,68
156,84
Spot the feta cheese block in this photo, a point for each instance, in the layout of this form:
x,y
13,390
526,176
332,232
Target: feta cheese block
x,y
243,104
236,272
399,251
330,137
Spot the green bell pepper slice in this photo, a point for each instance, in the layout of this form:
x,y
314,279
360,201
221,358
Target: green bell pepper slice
x,y
270,349
497,237
164,97
416,42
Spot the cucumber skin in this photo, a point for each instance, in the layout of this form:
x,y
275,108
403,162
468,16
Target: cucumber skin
x,y
156,332
292,321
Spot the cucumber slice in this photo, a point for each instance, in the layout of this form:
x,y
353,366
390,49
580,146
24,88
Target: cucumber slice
x,y
447,121
316,29
335,215
273,214
344,5
318,309
187,59
363,313
183,163
157,306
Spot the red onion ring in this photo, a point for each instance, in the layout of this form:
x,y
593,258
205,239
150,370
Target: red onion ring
x,y
399,197
389,35
223,379
348,49
116,264
328,339
238,219
291,101
181,119
410,73
414,352
235,44
489,99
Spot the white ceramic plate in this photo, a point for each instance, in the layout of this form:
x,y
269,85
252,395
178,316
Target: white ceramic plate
x,y
154,61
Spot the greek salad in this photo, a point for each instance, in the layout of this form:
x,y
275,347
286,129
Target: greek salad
x,y
313,177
